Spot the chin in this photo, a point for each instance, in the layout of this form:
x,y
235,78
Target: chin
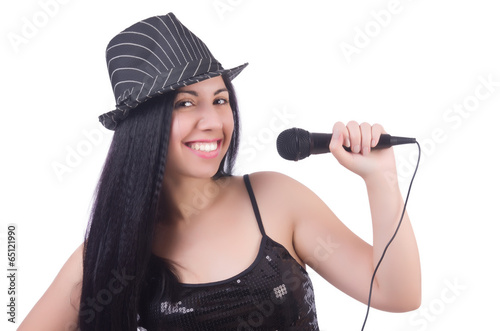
x,y
207,172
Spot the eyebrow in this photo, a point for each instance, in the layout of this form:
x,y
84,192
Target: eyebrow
x,y
196,93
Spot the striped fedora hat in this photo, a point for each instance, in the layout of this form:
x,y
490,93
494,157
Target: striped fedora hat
x,y
153,56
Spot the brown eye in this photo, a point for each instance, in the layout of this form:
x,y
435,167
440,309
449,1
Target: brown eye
x,y
182,104
220,101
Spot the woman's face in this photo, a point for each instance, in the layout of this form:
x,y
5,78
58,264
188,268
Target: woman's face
x,y
201,131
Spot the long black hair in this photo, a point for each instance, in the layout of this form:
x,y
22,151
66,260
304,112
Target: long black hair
x,y
118,241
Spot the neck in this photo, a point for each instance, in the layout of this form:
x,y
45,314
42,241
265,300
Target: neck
x,y
185,198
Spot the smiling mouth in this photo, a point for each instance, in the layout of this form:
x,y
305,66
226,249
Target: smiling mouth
x,y
203,146
205,149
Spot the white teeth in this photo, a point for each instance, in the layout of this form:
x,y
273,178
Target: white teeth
x,y
204,147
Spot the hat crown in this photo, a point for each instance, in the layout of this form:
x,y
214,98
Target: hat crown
x,y
151,50
153,56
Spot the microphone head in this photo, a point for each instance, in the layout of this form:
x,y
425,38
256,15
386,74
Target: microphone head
x,y
294,144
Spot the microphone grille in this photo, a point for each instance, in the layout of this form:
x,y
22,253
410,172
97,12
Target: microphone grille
x,y
293,144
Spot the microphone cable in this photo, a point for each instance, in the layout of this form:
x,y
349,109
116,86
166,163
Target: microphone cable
x,y
393,236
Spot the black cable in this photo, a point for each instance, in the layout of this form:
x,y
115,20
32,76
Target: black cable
x,y
393,236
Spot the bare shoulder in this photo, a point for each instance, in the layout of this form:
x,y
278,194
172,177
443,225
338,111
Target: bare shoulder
x,y
270,175
281,200
282,189
58,308
272,181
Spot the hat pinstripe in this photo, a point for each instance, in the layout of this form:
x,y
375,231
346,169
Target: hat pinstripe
x,y
153,56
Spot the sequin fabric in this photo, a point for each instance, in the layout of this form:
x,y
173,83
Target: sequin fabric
x,y
274,293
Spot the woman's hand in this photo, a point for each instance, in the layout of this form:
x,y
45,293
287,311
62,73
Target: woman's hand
x,y
362,160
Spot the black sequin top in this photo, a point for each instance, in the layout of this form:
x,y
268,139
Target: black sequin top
x,y
274,293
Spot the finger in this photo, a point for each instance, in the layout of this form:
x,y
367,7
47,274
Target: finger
x,y
366,137
377,130
340,136
354,136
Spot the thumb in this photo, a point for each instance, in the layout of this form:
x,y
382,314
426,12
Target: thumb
x,y
337,149
338,139
336,142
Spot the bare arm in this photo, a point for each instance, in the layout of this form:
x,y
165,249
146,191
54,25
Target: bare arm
x,y
323,242
58,308
398,277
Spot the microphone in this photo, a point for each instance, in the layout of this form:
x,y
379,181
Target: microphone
x,y
296,144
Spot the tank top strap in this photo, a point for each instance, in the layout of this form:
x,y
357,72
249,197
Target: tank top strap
x,y
254,204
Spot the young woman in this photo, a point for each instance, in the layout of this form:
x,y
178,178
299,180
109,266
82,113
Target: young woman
x,y
175,242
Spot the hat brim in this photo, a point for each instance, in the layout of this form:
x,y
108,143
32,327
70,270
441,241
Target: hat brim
x,y
111,119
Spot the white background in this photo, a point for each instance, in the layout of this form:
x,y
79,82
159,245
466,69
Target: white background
x,y
408,73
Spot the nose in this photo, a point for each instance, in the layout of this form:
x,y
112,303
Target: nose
x,y
210,118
